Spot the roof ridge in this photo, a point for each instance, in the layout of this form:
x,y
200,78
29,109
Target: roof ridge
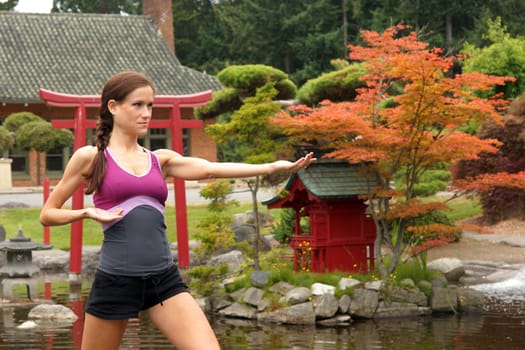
x,y
83,14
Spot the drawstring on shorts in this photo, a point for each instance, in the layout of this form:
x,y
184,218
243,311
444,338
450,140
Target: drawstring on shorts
x,y
155,282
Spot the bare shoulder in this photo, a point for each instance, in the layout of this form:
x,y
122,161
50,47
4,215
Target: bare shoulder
x,y
85,153
82,158
165,155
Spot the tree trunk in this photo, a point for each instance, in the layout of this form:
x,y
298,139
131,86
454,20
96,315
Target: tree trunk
x,y
345,29
254,189
448,31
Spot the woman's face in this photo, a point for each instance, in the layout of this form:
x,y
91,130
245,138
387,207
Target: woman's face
x,y
133,114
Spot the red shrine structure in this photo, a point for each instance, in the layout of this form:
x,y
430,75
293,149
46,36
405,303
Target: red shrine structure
x,y
175,123
340,234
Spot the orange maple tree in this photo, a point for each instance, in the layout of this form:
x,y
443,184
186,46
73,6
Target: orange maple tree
x,y
408,118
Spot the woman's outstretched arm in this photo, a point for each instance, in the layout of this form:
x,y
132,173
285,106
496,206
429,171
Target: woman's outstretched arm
x,y
191,168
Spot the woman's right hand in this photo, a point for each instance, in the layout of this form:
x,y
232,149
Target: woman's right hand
x,y
102,215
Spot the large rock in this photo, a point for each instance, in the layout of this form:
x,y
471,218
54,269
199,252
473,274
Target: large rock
x,y
248,218
52,313
297,295
408,295
281,288
452,268
215,303
344,303
364,303
53,260
259,278
322,288
348,283
470,300
326,306
396,309
300,314
233,259
444,299
239,310
56,260
253,296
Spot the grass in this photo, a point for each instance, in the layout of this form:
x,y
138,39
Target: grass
x,y
463,207
27,219
460,207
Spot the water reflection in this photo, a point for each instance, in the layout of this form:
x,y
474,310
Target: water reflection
x,y
500,327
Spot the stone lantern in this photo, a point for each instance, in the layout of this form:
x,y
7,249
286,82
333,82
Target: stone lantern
x,y
19,264
19,259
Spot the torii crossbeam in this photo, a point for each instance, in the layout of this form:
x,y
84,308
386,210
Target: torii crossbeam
x,y
175,123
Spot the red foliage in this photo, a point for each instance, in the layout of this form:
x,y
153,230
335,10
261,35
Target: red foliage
x,y
413,208
499,178
409,116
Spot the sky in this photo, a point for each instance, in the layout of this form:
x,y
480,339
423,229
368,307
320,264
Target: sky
x,y
40,6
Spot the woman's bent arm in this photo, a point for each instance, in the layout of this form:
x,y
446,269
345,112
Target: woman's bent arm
x,y
52,213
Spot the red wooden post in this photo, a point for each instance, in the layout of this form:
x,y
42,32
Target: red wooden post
x,y
75,254
180,194
46,185
47,291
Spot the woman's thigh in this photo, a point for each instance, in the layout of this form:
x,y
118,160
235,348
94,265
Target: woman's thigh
x,y
183,322
101,334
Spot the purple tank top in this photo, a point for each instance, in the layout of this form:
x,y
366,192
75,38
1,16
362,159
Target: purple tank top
x,y
119,186
135,245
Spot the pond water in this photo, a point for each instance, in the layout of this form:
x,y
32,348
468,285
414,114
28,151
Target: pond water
x,y
500,326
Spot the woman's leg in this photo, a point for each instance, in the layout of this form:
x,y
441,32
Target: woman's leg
x,y
183,322
101,334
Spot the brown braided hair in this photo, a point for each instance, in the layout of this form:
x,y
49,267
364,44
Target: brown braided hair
x,y
117,88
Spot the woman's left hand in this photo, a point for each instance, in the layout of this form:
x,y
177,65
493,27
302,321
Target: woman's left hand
x,y
301,163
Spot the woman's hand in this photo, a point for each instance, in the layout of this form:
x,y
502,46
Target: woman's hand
x,y
292,167
102,215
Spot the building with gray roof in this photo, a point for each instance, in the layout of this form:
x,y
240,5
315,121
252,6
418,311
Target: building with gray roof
x,y
76,54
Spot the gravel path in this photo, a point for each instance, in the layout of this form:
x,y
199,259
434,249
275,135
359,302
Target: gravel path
x,y
505,243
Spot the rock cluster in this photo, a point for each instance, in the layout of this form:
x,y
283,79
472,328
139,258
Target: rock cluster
x,y
319,305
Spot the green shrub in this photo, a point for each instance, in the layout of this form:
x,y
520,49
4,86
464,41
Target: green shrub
x,y
429,183
6,140
222,101
16,120
205,279
215,233
248,78
335,86
285,228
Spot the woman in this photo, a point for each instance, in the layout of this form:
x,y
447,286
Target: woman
x,y
136,271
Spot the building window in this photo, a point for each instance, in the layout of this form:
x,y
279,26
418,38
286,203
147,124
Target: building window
x,y
20,161
158,139
19,164
56,160
161,138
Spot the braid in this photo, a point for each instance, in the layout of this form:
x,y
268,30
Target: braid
x,y
98,167
117,88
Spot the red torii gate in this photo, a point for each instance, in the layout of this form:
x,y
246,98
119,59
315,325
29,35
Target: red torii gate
x,y
175,123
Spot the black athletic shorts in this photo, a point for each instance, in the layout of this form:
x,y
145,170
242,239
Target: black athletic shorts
x,y
115,297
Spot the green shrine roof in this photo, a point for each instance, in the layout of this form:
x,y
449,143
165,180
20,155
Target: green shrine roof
x,y
331,179
77,53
